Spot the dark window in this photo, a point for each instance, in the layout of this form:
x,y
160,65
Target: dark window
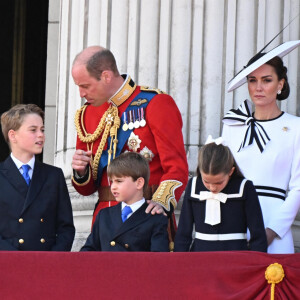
x,y
23,54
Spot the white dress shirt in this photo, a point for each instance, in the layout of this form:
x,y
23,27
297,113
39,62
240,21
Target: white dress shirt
x,y
134,207
19,164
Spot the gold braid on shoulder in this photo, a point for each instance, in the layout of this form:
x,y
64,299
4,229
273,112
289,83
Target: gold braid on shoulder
x,y
109,123
79,124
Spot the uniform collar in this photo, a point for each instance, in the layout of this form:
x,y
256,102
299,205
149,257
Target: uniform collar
x,y
124,92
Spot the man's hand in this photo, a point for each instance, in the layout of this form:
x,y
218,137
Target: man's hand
x,y
80,161
271,235
154,208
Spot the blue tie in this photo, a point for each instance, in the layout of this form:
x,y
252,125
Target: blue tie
x,y
125,212
25,173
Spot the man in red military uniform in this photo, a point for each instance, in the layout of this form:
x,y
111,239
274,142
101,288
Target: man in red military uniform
x,y
120,116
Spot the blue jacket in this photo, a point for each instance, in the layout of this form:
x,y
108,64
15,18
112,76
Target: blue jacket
x,y
241,211
140,232
38,217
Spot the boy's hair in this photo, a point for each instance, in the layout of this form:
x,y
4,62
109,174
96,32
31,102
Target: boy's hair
x,y
13,118
215,159
130,164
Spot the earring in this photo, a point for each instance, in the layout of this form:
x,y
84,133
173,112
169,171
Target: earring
x,y
279,92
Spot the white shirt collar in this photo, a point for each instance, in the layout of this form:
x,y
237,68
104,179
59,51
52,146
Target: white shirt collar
x,y
134,206
19,164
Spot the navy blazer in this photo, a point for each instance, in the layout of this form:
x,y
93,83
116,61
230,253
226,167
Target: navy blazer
x,y
241,211
38,217
140,232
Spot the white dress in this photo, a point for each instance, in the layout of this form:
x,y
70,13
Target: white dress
x,y
272,164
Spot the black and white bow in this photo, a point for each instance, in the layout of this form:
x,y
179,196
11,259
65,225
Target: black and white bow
x,y
243,115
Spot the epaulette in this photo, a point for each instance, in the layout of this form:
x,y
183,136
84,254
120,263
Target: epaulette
x,y
151,90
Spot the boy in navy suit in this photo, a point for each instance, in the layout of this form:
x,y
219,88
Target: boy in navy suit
x,y
35,207
126,226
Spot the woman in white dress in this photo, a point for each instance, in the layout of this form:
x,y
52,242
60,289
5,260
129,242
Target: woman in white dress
x,y
266,144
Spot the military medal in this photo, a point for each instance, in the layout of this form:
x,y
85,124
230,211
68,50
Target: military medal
x,y
142,121
130,124
136,122
125,125
134,142
147,153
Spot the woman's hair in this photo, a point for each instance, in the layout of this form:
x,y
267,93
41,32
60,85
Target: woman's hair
x,y
281,71
14,118
214,159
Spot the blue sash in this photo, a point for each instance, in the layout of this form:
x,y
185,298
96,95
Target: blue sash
x,y
122,135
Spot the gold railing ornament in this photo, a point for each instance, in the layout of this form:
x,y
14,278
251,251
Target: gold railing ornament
x,y
274,274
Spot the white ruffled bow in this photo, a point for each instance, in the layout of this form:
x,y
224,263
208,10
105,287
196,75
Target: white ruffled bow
x,y
213,209
217,141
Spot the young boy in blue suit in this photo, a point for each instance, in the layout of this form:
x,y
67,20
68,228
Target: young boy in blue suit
x,y
126,226
35,207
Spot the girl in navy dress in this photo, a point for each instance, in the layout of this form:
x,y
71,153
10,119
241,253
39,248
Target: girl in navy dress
x,y
220,204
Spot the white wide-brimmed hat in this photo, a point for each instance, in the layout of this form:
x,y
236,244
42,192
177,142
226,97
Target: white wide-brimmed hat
x,y
280,51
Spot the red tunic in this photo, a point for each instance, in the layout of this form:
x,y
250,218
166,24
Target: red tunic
x,y
162,135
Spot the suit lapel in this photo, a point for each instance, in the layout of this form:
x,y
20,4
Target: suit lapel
x,y
37,182
135,219
115,215
15,178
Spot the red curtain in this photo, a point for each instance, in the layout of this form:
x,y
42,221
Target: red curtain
x,y
106,275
